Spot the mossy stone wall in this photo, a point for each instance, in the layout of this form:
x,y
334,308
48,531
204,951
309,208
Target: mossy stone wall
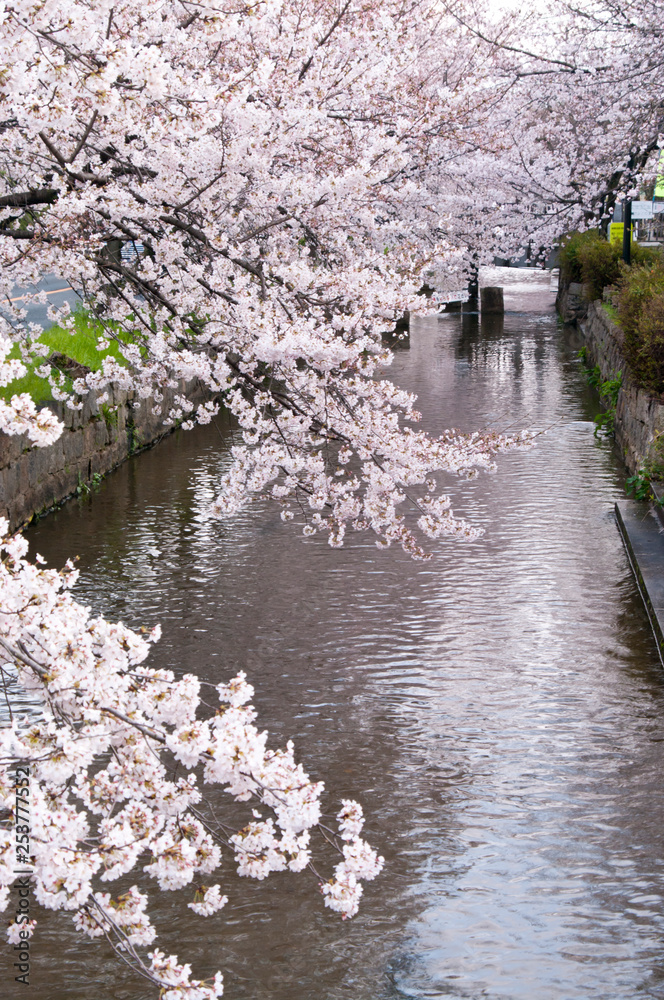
x,y
94,441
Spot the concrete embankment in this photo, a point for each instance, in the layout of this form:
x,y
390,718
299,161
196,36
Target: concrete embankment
x,y
94,441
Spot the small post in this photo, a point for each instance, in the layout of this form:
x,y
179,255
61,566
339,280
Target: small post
x,y
492,300
627,232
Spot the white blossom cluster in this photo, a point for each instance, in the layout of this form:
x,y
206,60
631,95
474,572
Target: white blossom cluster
x,y
360,863
280,165
104,745
19,415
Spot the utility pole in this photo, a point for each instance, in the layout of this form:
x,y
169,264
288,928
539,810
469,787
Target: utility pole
x,y
627,231
472,304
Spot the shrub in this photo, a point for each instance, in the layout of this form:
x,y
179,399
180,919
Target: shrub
x,y
600,265
569,256
645,255
591,260
640,302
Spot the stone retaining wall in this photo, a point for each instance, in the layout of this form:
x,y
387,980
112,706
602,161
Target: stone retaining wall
x,y
571,301
94,441
639,416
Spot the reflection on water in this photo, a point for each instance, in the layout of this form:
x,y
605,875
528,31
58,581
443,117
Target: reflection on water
x,y
498,709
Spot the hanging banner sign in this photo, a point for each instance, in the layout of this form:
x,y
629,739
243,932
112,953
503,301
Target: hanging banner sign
x,y
442,298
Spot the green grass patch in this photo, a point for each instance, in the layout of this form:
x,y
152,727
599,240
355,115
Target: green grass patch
x,y
79,344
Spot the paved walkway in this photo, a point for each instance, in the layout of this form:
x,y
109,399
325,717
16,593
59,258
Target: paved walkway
x,y
643,534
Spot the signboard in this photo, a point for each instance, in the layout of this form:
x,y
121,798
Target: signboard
x,y
442,298
659,185
616,232
646,209
642,210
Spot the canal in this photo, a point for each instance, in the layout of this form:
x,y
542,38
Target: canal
x,y
498,710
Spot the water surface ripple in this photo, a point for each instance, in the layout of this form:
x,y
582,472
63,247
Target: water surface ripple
x,y
498,709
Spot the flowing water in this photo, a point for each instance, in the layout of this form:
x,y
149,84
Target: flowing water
x,y
498,710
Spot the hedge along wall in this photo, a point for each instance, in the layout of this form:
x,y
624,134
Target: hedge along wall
x,y
94,441
639,422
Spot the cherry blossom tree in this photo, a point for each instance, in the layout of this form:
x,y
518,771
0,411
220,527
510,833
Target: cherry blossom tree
x,y
278,168
578,120
279,162
289,175
110,768
622,96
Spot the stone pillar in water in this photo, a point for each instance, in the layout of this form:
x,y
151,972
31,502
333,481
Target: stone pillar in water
x,y
492,299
